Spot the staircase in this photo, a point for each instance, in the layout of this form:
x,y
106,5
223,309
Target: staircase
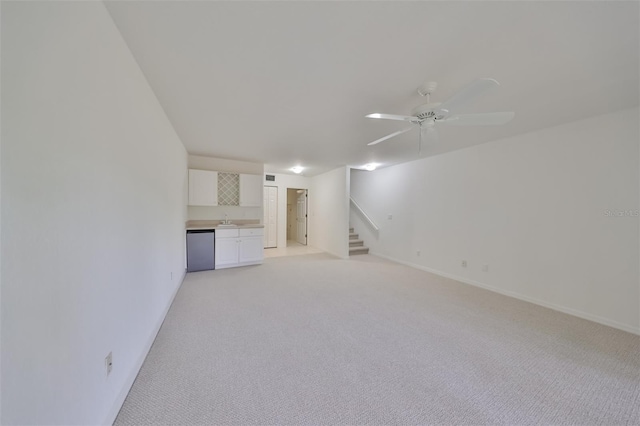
x,y
356,245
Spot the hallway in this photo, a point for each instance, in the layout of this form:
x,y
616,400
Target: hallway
x,y
293,248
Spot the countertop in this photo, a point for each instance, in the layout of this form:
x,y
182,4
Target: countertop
x,y
215,224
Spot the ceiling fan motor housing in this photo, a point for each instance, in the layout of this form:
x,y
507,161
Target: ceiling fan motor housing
x,y
426,111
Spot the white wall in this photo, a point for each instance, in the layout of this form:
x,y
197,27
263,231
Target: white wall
x,y
532,207
225,165
0,220
93,212
329,211
230,166
283,182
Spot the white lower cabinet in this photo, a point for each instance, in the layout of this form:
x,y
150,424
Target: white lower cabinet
x,y
226,252
238,247
251,250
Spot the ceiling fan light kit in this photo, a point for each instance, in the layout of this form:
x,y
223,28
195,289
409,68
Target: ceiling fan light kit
x,y
427,115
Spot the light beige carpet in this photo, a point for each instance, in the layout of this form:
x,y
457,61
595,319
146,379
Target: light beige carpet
x,y
318,340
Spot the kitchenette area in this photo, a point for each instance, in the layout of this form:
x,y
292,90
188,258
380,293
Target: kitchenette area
x,y
216,245
225,211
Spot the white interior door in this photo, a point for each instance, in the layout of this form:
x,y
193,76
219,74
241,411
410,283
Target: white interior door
x,y
292,226
270,216
301,218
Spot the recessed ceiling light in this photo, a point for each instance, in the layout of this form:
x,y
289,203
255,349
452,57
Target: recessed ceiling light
x,y
297,169
371,166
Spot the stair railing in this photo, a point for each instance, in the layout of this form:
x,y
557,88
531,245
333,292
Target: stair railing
x,y
363,214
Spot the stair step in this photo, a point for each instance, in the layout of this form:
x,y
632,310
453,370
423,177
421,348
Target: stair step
x,y
358,250
353,236
356,243
351,231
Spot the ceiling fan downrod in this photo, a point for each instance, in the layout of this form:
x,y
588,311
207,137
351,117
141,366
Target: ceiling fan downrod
x,y
427,89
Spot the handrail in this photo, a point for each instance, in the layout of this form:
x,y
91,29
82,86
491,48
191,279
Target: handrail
x,y
359,209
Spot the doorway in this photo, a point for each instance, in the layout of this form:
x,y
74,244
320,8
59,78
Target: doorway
x,y
297,216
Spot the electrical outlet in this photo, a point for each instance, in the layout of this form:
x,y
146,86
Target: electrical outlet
x,y
389,216
464,263
485,268
418,253
108,362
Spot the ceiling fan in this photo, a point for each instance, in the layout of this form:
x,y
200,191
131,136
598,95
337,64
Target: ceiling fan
x,y
426,116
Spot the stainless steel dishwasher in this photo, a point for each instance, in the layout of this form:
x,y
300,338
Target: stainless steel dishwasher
x,y
201,250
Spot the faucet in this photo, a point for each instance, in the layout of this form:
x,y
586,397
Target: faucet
x,y
226,221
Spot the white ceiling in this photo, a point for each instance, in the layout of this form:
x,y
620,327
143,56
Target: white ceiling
x,y
289,83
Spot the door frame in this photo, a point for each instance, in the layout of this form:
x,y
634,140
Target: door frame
x,y
305,193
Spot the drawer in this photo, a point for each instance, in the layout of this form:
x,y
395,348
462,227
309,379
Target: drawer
x,y
226,233
250,232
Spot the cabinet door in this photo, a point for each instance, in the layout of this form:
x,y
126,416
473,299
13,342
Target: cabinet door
x,y
251,190
203,188
226,252
251,249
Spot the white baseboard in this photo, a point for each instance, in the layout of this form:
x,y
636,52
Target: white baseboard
x,y
117,405
515,295
338,255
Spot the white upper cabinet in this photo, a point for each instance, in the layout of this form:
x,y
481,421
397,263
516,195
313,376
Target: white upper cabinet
x,y
251,190
203,188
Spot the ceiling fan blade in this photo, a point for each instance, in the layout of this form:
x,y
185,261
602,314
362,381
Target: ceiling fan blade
x,y
393,117
487,119
399,132
468,93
